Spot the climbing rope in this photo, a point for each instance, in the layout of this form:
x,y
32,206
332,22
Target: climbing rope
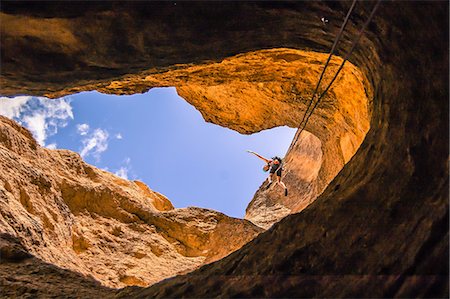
x,y
354,43
336,40
333,47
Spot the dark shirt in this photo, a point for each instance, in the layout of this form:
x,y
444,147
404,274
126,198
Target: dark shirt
x,y
274,167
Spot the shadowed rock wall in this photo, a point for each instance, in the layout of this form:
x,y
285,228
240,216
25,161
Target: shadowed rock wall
x,y
75,216
380,229
248,92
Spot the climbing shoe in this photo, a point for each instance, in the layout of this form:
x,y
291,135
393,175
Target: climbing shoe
x,y
285,192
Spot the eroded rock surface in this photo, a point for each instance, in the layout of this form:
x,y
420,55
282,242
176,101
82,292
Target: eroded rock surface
x,y
243,87
75,216
301,171
260,90
380,229
23,275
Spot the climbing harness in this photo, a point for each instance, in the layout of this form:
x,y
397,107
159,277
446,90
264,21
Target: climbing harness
x,y
308,113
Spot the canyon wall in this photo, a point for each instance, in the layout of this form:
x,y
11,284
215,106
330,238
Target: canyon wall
x,y
260,90
380,228
75,216
244,87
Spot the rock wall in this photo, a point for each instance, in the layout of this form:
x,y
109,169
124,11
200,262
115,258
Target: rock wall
x,y
75,216
380,229
248,85
260,90
301,175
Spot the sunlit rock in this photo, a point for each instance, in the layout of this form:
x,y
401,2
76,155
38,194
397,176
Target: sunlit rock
x,y
380,226
75,216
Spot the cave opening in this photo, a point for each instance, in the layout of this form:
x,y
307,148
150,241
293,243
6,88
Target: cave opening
x,y
188,144
248,94
380,229
157,138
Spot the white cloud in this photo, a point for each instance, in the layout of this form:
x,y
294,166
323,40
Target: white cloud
x,y
82,129
12,107
123,171
40,115
95,143
119,136
57,109
36,124
51,146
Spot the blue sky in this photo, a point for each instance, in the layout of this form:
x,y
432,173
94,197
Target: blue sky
x,y
157,138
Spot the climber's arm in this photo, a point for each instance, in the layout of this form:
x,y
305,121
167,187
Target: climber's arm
x,y
259,156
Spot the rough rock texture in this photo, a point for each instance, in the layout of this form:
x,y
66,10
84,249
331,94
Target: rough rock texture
x,y
25,276
260,90
301,173
77,217
267,88
380,229
248,92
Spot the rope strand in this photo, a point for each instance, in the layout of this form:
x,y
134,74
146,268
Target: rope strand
x,y
336,40
354,43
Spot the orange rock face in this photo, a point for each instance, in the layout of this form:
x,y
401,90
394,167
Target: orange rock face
x,y
81,218
379,229
75,216
301,168
263,89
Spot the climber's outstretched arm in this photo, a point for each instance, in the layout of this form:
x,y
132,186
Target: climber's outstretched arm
x,y
259,156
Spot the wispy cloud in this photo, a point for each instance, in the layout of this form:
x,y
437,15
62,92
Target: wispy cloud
x,y
124,170
119,136
36,123
40,115
95,143
12,107
82,129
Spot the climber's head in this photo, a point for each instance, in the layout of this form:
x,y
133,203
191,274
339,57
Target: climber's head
x,y
276,160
